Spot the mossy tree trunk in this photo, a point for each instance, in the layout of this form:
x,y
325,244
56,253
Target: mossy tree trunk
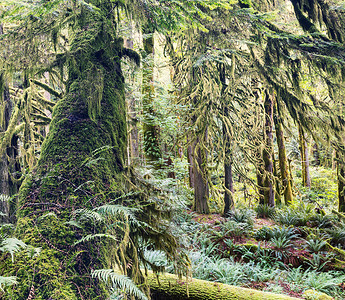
x,y
133,139
268,150
341,186
277,194
8,161
150,129
304,157
90,116
283,163
201,189
228,178
191,165
260,175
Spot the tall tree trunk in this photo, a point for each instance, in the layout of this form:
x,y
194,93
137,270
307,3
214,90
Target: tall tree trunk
x,y
150,130
277,193
305,158
260,175
8,161
341,185
133,140
5,104
190,158
228,180
268,150
62,182
229,188
201,189
283,163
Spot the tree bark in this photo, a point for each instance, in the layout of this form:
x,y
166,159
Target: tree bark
x,y
268,150
283,163
63,181
305,158
341,187
150,129
190,158
133,140
201,189
260,176
228,180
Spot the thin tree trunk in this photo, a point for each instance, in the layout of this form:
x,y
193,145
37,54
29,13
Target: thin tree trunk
x,y
268,150
283,163
201,190
228,179
229,188
305,158
150,130
277,195
341,186
260,176
190,157
133,141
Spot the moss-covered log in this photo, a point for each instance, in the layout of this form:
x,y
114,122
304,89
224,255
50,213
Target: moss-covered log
x,y
169,287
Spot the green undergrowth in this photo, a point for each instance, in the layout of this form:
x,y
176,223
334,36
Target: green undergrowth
x,y
289,253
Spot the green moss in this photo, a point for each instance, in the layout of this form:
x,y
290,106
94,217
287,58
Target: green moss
x,y
315,295
73,173
169,287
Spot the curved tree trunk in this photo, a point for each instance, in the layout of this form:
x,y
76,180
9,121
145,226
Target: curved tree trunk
x,y
70,175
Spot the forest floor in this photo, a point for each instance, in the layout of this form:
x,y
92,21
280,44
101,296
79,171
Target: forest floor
x,y
285,250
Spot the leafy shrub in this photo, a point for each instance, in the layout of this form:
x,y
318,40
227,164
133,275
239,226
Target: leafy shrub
x,y
235,229
315,245
242,216
337,235
265,211
263,234
318,261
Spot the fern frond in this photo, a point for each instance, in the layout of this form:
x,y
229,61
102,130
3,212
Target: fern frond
x,y
120,281
12,245
74,223
32,251
7,281
50,214
90,237
86,215
116,210
4,198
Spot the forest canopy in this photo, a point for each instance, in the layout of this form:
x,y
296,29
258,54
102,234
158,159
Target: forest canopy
x,y
200,138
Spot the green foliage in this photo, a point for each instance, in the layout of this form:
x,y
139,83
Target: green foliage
x,y
318,261
236,229
7,281
119,281
12,245
242,216
265,211
276,232
315,245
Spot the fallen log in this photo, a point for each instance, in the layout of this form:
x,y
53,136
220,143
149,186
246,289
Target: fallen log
x,y
169,287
